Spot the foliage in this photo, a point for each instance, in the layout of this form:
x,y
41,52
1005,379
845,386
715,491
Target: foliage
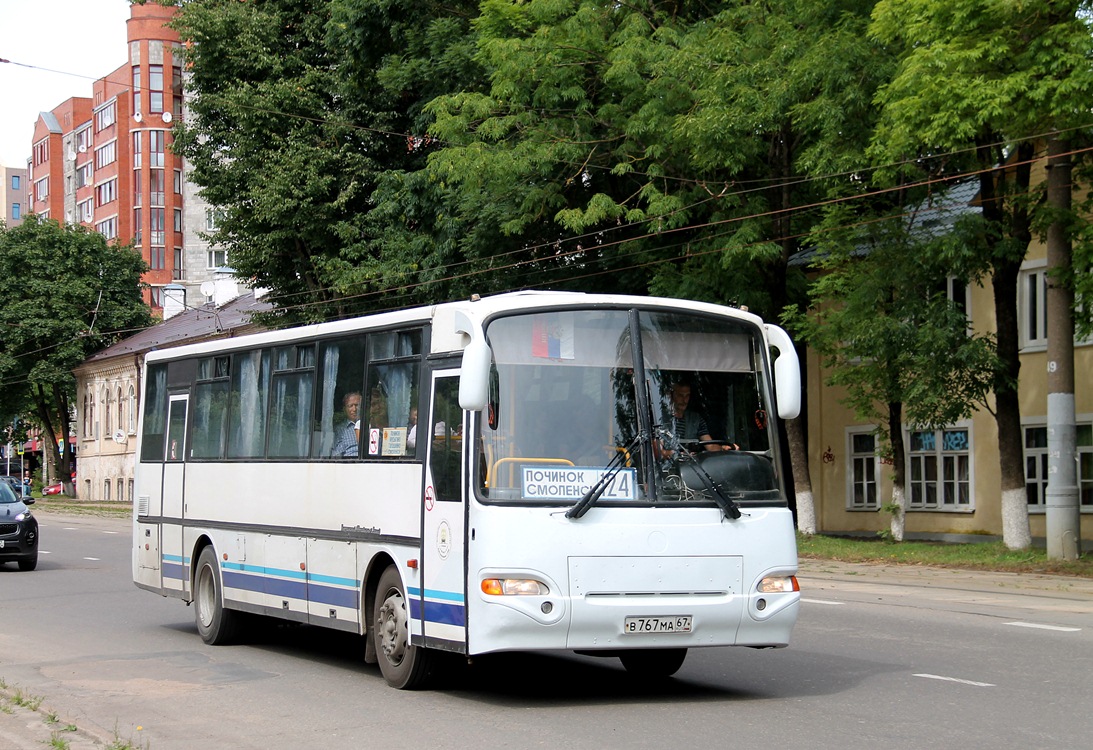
x,y
67,294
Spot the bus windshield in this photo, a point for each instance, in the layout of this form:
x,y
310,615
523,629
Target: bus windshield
x,y
678,400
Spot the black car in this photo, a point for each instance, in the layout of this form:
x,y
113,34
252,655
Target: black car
x,y
18,529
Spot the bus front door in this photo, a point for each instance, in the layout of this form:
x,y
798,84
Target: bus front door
x,y
441,600
176,566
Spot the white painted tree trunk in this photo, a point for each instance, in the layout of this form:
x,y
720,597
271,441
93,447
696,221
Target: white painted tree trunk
x,y
900,501
1015,529
806,512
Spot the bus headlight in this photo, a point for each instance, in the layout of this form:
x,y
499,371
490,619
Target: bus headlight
x,y
514,587
778,585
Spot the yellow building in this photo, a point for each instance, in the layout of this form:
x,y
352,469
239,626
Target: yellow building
x,y
953,485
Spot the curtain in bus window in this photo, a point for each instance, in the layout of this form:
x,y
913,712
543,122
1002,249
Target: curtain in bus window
x,y
155,414
249,396
290,415
328,382
341,374
210,418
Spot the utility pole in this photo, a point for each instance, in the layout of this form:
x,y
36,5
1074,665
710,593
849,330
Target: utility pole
x,y
1063,511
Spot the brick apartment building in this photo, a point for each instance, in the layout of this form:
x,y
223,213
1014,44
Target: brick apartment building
x,y
105,162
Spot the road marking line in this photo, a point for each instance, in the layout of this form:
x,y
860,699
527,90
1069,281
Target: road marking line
x,y
1043,627
110,532
823,601
955,679
93,559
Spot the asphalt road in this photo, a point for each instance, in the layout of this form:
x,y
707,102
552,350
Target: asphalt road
x,y
882,656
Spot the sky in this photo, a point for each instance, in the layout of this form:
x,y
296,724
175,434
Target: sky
x,y
83,40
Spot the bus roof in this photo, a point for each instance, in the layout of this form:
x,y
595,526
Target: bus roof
x,y
445,338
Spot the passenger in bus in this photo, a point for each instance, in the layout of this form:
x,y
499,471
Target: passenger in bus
x,y
348,434
688,424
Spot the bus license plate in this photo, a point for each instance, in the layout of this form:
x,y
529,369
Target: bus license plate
x,y
659,624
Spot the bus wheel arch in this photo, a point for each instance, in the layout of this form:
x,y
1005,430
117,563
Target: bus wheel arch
x,y
216,624
376,568
403,665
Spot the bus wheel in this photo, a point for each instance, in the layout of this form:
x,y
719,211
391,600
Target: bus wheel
x,y
215,624
653,662
404,666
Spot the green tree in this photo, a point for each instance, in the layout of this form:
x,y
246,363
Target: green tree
x,y
989,76
66,294
888,333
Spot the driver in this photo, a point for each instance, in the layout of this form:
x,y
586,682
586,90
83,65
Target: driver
x,y
688,424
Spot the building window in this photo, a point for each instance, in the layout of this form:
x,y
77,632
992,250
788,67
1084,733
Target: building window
x,y
41,152
213,217
121,490
121,414
1036,466
136,89
107,154
137,156
106,192
83,140
217,258
1031,307
84,174
176,271
106,117
863,471
138,199
155,88
940,470
138,229
157,296
132,411
158,230
108,228
16,211
178,182
85,210
106,490
16,182
156,147
156,258
157,185
41,189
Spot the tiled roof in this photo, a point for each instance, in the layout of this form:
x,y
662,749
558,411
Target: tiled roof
x,y
192,325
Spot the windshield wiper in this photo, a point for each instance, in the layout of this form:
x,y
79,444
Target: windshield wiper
x,y
727,505
596,491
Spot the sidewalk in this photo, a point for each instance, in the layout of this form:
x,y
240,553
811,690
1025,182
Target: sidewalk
x,y
965,580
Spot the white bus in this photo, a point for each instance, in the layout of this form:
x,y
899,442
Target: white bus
x,y
505,473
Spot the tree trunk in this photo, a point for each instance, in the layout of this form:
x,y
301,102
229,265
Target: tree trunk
x,y
1014,501
802,481
898,505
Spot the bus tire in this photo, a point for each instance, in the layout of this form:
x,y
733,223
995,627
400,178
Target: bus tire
x,y
215,624
404,666
653,662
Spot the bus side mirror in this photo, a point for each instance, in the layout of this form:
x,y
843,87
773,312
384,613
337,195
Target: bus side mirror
x,y
787,373
474,373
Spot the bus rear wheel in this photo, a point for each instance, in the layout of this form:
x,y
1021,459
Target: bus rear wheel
x,y
215,624
404,666
653,662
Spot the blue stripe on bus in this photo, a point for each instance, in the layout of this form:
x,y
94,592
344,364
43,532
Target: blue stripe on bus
x,y
451,596
173,571
291,589
445,614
